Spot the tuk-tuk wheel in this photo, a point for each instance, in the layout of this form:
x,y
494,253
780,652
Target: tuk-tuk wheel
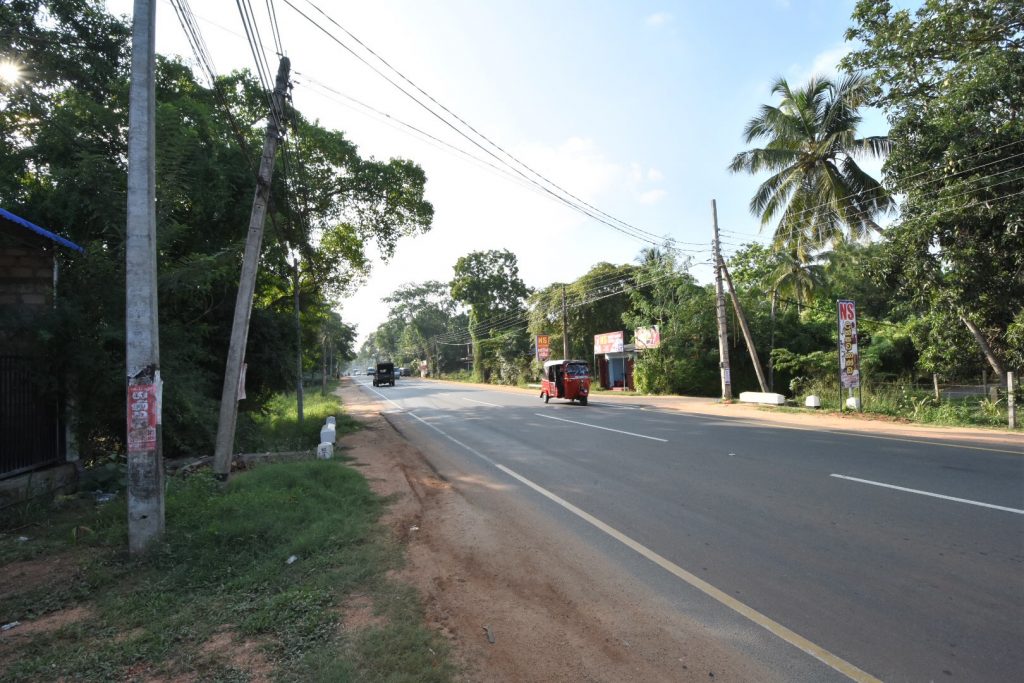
x,y
547,397
583,401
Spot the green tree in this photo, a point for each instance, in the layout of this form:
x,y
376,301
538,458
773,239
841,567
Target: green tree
x,y
667,295
950,77
427,310
62,151
794,279
595,303
817,191
488,283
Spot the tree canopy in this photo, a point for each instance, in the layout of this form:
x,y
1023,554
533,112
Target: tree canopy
x,y
62,164
950,77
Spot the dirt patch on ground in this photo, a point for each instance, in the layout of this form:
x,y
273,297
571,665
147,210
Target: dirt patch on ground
x,y
50,622
358,613
242,655
517,601
28,575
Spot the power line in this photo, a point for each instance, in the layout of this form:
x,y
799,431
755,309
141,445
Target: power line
x,y
418,131
474,130
936,194
573,203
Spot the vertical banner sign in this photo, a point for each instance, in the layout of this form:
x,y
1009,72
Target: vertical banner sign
x,y
543,347
143,407
849,355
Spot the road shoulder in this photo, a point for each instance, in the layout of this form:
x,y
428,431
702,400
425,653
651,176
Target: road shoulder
x,y
491,569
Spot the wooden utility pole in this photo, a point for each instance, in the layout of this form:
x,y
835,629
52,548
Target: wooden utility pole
x,y
247,283
723,331
565,328
142,335
743,326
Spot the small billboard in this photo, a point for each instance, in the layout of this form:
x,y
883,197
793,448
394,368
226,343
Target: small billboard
x,y
608,342
648,337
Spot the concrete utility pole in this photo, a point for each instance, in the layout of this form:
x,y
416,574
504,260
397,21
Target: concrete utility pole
x,y
225,445
565,328
723,332
743,326
142,335
1011,407
298,344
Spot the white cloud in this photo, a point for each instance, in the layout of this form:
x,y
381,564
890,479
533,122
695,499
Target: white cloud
x,y
654,175
658,19
576,164
652,196
822,64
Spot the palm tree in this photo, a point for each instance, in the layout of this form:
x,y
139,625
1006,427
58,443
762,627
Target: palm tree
x,y
795,276
817,190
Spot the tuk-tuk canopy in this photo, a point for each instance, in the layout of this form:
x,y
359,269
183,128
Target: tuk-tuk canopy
x,y
571,368
550,363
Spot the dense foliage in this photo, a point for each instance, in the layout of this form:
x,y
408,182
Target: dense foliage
x,y
62,165
951,80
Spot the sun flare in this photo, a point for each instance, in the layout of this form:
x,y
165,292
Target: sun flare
x,y
10,72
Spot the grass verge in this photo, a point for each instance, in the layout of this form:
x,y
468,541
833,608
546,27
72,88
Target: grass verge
x,y
912,405
277,427
253,582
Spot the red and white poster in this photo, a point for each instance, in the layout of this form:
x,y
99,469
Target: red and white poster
x,y
849,355
608,342
143,417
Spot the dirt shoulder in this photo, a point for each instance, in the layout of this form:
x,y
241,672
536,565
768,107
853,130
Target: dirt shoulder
x,y
516,599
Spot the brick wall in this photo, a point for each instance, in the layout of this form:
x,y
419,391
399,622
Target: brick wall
x,y
26,277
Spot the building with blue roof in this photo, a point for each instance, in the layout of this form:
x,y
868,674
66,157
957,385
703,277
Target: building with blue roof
x,y
32,433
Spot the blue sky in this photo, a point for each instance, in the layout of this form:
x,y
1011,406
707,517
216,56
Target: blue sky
x,y
636,107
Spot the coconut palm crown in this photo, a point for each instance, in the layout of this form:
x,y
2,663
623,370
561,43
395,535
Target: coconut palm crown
x,y
817,191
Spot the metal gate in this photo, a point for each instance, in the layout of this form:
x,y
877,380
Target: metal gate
x,y
31,433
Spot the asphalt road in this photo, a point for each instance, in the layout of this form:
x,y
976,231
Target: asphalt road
x,y
840,554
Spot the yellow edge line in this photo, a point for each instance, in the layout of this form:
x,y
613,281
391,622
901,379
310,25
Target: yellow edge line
x,y
791,637
795,639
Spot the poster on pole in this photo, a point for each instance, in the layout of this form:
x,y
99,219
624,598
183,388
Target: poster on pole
x,y
143,417
608,342
648,337
543,347
849,355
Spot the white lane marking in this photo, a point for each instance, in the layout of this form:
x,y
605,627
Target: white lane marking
x,y
369,388
928,493
607,429
483,403
765,622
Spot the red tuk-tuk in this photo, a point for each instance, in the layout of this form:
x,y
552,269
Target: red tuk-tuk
x,y
566,379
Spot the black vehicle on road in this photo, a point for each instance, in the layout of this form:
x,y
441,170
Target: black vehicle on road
x,y
385,374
